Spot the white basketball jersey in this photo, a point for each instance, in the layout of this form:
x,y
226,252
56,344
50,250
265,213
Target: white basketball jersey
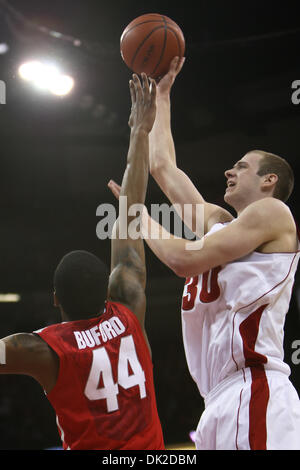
x,y
233,316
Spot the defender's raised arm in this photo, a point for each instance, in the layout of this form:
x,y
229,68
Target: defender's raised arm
x,y
128,271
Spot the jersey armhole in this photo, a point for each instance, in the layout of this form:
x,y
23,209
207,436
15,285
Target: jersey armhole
x,y
137,324
59,357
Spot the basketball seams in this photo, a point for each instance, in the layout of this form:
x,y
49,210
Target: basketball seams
x,y
143,42
180,52
147,45
163,47
162,20
167,29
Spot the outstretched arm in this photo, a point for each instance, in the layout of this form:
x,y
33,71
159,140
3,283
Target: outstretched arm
x,y
28,354
265,221
128,270
175,184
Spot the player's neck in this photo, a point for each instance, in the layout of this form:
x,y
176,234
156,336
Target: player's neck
x,y
68,318
242,205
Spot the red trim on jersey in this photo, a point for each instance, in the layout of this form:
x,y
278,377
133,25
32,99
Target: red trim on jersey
x,y
258,409
259,400
253,302
249,332
259,387
237,421
298,229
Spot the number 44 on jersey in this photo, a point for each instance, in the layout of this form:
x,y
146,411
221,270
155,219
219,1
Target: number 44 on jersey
x,y
101,365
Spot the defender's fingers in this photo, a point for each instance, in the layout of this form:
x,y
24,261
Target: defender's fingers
x,y
132,91
153,89
137,86
146,87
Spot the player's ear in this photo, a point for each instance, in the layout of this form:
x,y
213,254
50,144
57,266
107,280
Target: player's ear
x,y
55,300
270,179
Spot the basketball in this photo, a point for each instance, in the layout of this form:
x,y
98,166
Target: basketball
x,y
150,42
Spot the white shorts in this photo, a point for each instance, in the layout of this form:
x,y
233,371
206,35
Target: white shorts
x,y
252,409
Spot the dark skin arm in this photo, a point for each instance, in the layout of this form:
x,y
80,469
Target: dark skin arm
x,y
128,270
27,353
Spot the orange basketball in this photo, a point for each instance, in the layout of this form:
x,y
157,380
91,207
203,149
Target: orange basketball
x,y
149,43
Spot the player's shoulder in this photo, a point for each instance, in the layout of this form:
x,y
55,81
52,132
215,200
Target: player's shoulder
x,y
132,320
113,307
28,345
54,329
24,342
126,286
270,208
120,310
270,215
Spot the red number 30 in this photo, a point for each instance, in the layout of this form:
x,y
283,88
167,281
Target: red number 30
x,y
206,294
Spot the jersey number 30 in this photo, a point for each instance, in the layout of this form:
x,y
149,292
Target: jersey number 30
x,y
101,365
209,292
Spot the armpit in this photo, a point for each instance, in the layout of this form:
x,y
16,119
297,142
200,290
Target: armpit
x,y
219,216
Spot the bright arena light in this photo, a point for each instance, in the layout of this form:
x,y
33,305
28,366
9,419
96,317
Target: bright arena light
x,y
46,77
4,48
62,85
29,70
10,298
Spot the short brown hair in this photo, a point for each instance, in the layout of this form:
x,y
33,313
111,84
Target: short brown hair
x,y
271,163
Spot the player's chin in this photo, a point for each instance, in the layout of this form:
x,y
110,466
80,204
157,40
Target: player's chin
x,y
226,197
229,198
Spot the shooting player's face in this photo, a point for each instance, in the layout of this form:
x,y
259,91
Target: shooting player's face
x,y
243,182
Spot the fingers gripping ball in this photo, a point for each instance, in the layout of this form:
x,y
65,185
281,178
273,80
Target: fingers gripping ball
x,y
150,42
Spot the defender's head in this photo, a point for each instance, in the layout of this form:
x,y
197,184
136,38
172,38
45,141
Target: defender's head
x,y
258,174
80,285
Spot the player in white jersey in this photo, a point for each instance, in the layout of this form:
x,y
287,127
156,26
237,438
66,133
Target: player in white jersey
x,y
233,318
237,292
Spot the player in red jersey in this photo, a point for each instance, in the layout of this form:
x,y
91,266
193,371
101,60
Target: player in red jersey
x,y
95,366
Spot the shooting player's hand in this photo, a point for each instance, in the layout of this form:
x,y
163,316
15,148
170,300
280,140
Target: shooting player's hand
x,y
165,83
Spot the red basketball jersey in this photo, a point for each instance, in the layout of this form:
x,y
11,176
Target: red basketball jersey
x,y
104,397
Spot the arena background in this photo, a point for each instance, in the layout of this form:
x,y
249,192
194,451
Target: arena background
x,y
57,155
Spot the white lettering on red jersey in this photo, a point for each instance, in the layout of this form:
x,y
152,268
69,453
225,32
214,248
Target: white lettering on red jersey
x,y
233,316
104,397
